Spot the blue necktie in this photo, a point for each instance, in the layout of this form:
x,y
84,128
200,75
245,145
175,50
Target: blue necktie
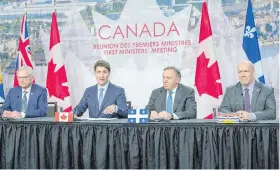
x,y
169,108
24,102
247,105
100,98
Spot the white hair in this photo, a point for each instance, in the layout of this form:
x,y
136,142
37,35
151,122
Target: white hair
x,y
27,68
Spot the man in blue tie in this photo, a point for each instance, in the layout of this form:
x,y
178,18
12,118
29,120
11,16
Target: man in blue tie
x,y
104,100
27,99
173,100
249,99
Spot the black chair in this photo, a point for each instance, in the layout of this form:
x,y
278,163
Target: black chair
x,y
52,108
128,104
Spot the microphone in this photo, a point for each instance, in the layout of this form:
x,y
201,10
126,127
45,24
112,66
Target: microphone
x,y
236,104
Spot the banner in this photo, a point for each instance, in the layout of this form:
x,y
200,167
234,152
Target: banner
x,y
138,39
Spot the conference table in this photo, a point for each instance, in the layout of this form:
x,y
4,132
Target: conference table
x,y
116,144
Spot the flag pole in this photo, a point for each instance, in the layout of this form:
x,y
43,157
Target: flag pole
x,y
54,5
25,7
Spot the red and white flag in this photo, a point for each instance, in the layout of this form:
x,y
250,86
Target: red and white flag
x,y
57,83
24,50
207,76
63,117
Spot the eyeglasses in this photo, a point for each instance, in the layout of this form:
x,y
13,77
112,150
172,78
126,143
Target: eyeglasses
x,y
23,78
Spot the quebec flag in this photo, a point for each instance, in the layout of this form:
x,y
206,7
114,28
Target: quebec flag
x,y
250,43
138,116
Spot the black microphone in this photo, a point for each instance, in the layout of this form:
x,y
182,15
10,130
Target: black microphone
x,y
236,104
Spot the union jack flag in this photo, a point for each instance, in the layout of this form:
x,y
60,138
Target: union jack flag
x,y
24,50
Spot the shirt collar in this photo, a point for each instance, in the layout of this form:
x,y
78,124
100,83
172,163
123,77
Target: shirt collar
x,y
250,87
105,86
174,90
27,90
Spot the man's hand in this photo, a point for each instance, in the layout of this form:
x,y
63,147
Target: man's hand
x,y
165,115
6,113
154,115
110,109
243,115
16,114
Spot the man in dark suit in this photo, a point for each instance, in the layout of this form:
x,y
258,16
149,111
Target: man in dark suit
x,y
27,99
104,100
249,99
173,100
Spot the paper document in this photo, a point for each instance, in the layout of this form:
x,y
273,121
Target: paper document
x,y
97,119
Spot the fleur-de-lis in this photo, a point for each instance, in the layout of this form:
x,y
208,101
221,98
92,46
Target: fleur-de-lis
x,y
249,32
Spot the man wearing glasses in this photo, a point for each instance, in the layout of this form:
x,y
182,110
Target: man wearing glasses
x,y
27,99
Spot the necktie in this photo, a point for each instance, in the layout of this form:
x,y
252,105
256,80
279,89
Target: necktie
x,y
169,108
100,98
247,105
24,102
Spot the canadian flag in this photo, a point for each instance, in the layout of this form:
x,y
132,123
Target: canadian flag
x,y
207,76
63,117
56,78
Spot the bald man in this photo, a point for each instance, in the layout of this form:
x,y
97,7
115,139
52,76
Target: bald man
x,y
249,99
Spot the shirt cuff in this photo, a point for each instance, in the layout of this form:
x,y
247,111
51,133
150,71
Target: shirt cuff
x,y
252,116
175,116
116,108
22,115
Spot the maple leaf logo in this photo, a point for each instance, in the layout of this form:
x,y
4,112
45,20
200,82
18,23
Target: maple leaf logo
x,y
206,78
55,81
63,117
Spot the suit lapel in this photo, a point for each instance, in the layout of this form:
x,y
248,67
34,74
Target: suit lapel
x,y
177,97
19,98
255,95
94,99
107,96
239,100
32,92
162,99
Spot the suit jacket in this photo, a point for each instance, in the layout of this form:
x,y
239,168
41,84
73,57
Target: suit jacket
x,y
37,103
114,95
184,105
262,103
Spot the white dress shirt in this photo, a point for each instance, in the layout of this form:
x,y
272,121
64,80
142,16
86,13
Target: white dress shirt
x,y
252,116
105,87
27,96
173,98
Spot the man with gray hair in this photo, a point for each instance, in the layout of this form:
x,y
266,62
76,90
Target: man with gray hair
x,y
173,100
249,99
27,99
